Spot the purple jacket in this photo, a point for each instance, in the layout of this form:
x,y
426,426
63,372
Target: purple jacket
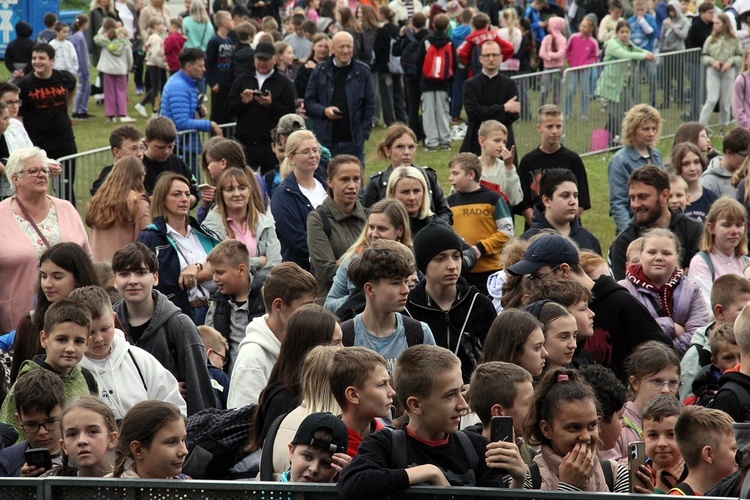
x,y
741,100
690,310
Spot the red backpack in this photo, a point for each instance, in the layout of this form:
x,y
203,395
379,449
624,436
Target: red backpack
x,y
438,62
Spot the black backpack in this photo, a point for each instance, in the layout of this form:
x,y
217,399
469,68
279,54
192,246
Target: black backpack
x,y
412,329
216,440
739,392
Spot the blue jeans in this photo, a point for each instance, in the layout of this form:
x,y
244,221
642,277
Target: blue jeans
x,y
198,315
457,93
580,78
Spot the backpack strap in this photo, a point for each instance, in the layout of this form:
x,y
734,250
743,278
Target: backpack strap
x,y
140,374
398,449
536,476
266,456
704,357
347,329
469,450
707,259
609,474
90,382
740,393
325,220
412,329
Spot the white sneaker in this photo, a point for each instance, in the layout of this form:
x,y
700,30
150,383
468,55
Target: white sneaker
x,y
141,110
126,119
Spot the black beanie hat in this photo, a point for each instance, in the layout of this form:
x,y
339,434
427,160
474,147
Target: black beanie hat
x,y
433,239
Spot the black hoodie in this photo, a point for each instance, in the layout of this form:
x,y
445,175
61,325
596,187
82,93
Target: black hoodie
x,y
19,50
438,39
446,325
620,325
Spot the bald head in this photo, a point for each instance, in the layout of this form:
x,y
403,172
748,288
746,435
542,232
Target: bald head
x,y
342,48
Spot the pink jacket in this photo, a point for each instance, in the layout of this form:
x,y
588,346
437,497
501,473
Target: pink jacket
x,y
741,100
18,259
554,58
581,51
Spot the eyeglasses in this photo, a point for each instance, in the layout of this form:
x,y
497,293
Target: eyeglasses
x,y
13,103
535,277
137,149
36,172
34,427
308,152
490,56
742,154
658,384
223,358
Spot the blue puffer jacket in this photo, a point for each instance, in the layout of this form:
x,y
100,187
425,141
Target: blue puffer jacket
x,y
359,96
179,101
290,209
155,237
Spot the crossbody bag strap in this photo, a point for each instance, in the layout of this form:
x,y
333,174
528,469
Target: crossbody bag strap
x,y
179,251
471,307
30,220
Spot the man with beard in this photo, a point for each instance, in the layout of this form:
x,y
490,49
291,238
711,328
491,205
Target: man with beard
x,y
648,189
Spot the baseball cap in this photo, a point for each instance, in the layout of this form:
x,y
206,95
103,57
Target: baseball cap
x,y
290,123
551,249
265,50
316,421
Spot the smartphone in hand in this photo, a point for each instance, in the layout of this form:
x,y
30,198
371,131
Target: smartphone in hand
x,y
501,429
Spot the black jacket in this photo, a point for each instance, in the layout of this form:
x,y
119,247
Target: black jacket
x,y
689,231
243,60
470,308
254,122
382,48
438,39
376,191
582,236
698,33
620,325
484,99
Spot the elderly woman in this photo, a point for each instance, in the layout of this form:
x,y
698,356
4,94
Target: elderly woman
x,y
183,247
30,222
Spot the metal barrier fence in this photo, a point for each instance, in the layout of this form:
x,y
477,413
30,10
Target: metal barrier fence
x,y
89,164
137,489
674,84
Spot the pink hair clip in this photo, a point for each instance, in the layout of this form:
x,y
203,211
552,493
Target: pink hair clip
x,y
562,378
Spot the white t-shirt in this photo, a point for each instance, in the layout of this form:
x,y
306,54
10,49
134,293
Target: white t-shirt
x,y
315,195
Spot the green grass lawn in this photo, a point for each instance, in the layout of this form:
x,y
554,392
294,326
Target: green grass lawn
x,y
94,133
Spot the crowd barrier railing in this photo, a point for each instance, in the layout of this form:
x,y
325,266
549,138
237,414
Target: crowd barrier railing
x,y
141,489
674,83
87,165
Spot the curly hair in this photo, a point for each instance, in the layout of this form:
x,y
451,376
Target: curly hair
x,y
637,116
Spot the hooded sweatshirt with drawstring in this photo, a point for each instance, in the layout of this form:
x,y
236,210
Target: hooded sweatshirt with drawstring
x,y
673,35
553,54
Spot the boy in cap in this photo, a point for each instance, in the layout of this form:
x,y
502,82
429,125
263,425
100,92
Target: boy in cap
x,y
259,99
620,322
443,296
318,451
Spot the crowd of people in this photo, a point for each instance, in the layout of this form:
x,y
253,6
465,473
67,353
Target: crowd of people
x,y
377,332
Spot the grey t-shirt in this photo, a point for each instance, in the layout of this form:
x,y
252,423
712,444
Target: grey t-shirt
x,y
389,347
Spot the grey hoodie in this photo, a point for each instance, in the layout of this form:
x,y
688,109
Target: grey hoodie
x,y
673,37
716,178
171,337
